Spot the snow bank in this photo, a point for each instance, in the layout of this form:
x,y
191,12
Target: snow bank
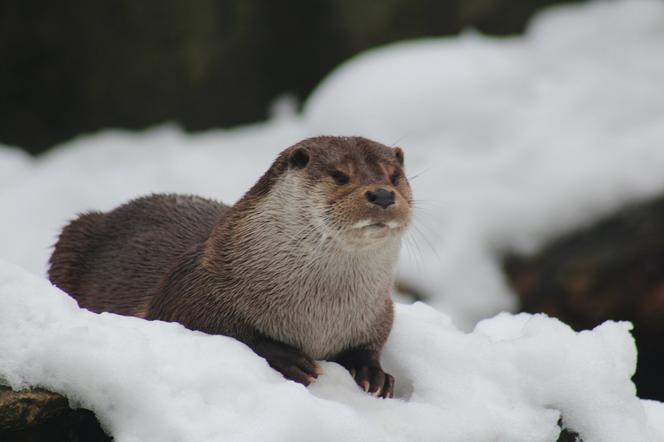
x,y
510,379
515,139
14,162
508,141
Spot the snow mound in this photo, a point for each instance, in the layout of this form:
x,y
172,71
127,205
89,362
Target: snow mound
x,y
508,142
510,379
512,140
13,163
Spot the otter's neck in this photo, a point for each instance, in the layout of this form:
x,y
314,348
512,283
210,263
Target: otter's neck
x,y
292,279
278,242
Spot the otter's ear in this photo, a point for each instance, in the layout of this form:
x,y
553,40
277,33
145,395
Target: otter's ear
x,y
298,158
398,153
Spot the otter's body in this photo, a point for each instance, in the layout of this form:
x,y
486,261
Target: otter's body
x,y
114,262
299,269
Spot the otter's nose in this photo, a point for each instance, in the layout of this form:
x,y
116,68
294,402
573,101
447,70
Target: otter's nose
x,y
380,197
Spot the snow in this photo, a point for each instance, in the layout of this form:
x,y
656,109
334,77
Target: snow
x,y
13,163
508,143
655,413
517,139
510,379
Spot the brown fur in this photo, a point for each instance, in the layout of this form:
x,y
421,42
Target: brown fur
x,y
287,262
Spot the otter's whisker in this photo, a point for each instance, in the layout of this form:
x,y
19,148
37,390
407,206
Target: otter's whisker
x,y
423,171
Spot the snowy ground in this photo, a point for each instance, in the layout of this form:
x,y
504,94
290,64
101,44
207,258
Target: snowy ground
x,y
509,380
508,141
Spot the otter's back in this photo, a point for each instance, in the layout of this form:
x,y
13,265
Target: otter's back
x,y
112,261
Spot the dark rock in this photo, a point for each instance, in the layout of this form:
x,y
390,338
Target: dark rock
x,y
37,415
613,269
569,436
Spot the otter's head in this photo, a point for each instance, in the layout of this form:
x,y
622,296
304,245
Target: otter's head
x,y
355,189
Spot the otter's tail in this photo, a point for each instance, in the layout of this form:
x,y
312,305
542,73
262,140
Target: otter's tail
x,y
69,259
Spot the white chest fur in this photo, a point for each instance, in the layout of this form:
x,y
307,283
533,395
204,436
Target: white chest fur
x,y
331,305
309,289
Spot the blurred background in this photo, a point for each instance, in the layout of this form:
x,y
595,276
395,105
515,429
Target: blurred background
x,y
534,140
78,66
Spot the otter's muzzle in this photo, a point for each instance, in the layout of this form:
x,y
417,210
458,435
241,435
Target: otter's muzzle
x,y
380,197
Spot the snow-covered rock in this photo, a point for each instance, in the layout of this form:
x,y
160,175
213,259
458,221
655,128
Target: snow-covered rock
x,y
512,140
508,142
510,380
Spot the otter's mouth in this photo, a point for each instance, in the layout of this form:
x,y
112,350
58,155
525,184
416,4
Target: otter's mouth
x,y
369,225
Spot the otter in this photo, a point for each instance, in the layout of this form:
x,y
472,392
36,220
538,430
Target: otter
x,y
299,269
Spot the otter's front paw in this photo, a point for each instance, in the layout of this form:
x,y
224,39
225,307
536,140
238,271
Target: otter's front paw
x,y
287,360
364,367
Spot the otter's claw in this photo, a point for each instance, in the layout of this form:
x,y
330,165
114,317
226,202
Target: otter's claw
x,y
375,381
364,367
287,360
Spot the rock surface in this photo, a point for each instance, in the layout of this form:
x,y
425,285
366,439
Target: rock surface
x,y
613,269
37,415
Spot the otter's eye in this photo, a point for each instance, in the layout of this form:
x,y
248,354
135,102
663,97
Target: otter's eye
x,y
339,177
395,178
